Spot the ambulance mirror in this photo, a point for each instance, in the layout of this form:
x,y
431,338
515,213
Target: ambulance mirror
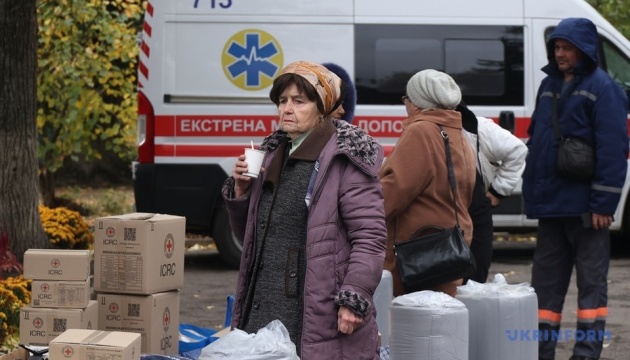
x,y
506,120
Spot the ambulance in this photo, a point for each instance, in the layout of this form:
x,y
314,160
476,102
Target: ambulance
x,y
206,68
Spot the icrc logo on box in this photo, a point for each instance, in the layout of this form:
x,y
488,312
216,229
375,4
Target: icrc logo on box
x,y
113,307
169,246
113,312
166,318
110,232
169,250
38,323
67,351
55,264
167,340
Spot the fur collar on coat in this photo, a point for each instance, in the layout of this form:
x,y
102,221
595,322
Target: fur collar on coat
x,y
352,141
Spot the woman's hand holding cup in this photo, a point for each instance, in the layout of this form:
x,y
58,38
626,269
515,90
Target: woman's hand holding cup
x,y
247,167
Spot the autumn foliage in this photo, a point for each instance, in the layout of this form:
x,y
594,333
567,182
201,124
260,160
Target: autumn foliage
x,y
66,229
86,83
14,291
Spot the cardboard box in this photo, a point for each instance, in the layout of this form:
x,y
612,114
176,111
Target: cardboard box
x,y
139,253
51,264
76,344
17,354
60,294
38,326
155,316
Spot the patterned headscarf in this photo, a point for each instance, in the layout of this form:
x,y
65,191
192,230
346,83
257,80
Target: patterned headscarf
x,y
325,82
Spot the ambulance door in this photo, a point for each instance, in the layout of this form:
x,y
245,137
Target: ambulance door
x,y
615,59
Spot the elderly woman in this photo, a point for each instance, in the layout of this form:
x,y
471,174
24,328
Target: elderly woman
x,y
414,176
312,224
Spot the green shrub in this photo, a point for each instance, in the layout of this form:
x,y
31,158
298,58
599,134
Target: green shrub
x,y
114,202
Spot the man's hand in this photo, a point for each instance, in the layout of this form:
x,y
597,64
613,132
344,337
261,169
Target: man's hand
x,y
494,201
601,221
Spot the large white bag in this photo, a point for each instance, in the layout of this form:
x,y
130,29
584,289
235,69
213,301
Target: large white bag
x,y
428,325
270,343
383,297
496,311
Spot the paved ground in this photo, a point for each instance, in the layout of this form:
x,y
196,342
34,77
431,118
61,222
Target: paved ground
x,y
208,282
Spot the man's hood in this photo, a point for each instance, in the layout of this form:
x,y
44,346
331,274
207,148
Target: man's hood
x,y
583,34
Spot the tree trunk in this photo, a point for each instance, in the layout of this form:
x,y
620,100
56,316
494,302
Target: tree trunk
x,y
47,187
19,197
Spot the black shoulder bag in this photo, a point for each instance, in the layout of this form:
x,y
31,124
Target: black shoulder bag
x,y
435,255
576,158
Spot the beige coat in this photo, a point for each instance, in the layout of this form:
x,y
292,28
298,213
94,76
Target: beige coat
x,y
415,182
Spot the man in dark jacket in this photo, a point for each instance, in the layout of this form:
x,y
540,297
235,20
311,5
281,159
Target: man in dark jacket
x,y
574,215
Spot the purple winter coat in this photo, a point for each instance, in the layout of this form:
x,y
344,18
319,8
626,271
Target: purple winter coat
x,y
345,246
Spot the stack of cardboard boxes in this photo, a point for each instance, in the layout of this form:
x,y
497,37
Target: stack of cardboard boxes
x,y
60,295
138,271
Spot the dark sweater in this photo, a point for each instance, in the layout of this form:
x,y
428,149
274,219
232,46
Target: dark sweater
x,y
278,279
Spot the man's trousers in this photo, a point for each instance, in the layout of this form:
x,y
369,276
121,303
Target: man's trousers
x,y
561,244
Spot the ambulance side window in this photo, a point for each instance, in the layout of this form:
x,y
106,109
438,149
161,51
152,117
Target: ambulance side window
x,y
486,61
616,64
465,66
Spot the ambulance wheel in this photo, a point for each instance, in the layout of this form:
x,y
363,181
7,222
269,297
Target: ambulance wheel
x,y
228,245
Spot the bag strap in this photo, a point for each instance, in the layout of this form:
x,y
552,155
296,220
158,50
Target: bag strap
x,y
554,117
451,172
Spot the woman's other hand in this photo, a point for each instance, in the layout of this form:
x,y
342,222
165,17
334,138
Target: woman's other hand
x,y
494,201
347,321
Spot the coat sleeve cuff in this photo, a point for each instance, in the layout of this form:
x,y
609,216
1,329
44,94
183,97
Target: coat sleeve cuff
x,y
355,302
228,188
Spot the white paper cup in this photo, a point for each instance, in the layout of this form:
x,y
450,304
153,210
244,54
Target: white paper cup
x,y
254,159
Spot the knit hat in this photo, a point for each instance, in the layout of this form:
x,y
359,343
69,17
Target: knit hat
x,y
325,82
432,89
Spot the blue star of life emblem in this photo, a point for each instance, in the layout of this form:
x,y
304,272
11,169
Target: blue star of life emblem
x,y
252,59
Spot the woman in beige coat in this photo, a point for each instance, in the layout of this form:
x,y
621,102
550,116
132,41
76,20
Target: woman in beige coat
x,y
415,177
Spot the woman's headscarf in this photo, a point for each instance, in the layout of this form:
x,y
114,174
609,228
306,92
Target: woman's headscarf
x,y
326,83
